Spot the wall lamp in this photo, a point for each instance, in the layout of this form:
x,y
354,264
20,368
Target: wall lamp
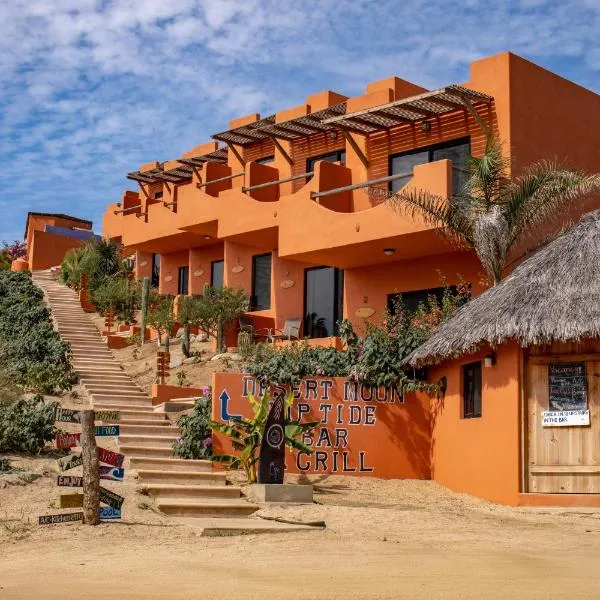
x,y
389,251
207,237
333,134
426,126
489,360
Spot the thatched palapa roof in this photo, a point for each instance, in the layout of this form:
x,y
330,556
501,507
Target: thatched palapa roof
x,y
553,296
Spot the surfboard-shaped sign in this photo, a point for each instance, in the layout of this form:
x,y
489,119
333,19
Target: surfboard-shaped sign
x,y
271,462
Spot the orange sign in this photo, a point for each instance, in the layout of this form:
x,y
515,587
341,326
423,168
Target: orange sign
x,y
364,431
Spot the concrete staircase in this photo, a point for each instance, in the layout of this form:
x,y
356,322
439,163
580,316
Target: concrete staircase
x,y
179,487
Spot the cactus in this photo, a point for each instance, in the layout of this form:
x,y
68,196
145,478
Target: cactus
x,y
244,344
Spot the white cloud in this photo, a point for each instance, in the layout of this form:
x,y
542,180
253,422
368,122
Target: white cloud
x,y
90,89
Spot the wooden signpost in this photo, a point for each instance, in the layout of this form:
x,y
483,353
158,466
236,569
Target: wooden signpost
x,y
109,318
108,415
163,360
107,430
64,518
67,415
69,481
110,498
67,440
110,458
70,462
108,512
111,473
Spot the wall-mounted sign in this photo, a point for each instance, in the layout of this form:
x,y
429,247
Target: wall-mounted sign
x,y
169,278
286,284
237,269
144,263
565,418
198,273
567,387
365,312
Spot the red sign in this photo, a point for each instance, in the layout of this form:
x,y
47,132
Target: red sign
x,y
67,440
111,458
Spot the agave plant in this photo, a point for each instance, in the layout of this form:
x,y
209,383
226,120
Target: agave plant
x,y
494,214
246,435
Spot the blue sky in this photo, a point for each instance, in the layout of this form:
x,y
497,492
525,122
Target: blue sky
x,y
90,89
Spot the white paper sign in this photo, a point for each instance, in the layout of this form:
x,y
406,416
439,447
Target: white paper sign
x,y
565,418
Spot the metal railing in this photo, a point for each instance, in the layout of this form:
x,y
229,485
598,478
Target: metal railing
x,y
219,179
124,210
258,186
357,186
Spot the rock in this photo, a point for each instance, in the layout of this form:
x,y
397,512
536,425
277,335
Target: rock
x,y
229,355
175,362
179,332
193,338
190,361
202,337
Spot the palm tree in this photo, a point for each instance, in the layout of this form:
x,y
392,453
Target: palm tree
x,y
494,214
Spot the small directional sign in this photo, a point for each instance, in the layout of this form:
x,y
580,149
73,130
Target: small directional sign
x,y
225,416
67,440
108,512
67,415
69,481
110,458
71,500
63,518
107,430
108,415
111,498
70,462
111,473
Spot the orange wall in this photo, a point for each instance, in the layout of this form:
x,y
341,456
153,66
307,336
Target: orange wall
x,y
47,250
358,436
479,456
39,222
200,260
169,271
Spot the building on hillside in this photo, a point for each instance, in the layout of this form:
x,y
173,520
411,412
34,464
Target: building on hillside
x,y
49,236
289,206
519,421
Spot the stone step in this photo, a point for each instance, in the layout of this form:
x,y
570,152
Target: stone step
x,y
149,441
101,372
129,410
173,465
181,477
161,421
106,377
146,451
151,430
102,400
118,390
192,492
189,508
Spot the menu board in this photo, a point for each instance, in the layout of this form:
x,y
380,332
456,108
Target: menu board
x,y
567,386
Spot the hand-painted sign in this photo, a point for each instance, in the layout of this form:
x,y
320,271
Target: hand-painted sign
x,y
271,463
108,512
63,518
111,498
567,386
71,500
565,418
67,415
111,473
107,415
70,462
67,440
107,430
69,481
111,458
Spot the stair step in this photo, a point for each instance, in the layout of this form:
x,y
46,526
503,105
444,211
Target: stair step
x,y
130,401
126,387
122,391
191,492
148,441
207,509
146,451
174,465
150,430
148,477
155,422
145,412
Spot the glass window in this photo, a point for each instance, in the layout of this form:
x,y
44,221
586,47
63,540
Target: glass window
x,y
261,282
411,300
456,151
265,159
183,279
338,156
472,390
158,195
323,301
155,270
216,273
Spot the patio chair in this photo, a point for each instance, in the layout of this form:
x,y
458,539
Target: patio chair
x,y
247,324
290,331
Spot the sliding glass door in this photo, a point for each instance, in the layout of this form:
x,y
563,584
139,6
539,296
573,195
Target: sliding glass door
x,y
323,298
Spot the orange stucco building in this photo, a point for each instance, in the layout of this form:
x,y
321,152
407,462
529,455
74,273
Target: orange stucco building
x,y
289,206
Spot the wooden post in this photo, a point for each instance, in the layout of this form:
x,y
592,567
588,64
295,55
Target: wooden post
x,y
91,472
145,295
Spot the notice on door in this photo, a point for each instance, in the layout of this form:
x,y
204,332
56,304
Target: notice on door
x,y
567,387
565,418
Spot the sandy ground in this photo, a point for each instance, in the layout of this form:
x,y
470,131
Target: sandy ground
x,y
383,539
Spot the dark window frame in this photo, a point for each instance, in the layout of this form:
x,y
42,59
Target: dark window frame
x,y
158,195
338,297
253,298
471,408
212,272
183,285
265,160
430,149
314,159
155,271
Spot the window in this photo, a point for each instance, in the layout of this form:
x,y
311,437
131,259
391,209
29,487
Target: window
x,y
261,282
471,390
323,301
265,159
158,195
338,156
411,300
456,151
183,279
216,273
155,270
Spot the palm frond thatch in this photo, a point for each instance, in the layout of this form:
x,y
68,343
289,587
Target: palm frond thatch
x,y
554,296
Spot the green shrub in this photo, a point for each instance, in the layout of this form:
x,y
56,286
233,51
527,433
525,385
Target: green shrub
x,y
118,293
196,434
27,425
32,354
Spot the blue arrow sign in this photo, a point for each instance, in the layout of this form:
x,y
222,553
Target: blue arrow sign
x,y
225,416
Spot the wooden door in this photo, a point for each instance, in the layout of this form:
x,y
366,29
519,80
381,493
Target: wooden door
x,y
562,460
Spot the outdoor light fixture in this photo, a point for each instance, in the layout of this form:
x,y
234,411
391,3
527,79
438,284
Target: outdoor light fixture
x,y
426,126
118,205
333,135
389,251
207,237
489,360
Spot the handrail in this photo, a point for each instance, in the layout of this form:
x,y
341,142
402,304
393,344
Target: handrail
x,y
356,186
170,203
144,214
124,210
269,183
201,185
